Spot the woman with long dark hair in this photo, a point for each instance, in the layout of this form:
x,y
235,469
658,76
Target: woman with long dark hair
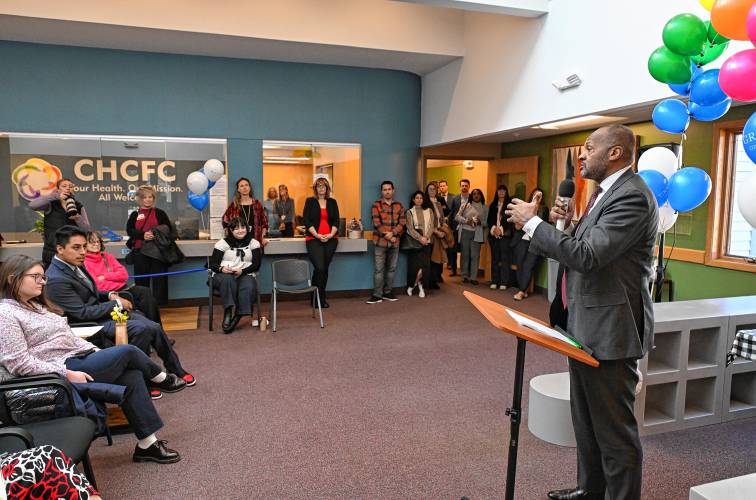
x,y
421,225
472,218
526,262
438,255
500,239
250,210
235,258
321,219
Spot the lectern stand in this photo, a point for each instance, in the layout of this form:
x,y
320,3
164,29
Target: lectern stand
x,y
498,316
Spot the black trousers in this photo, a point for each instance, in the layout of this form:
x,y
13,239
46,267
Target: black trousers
x,y
451,253
159,285
125,365
146,334
144,301
288,231
419,260
321,255
501,260
609,453
526,263
239,292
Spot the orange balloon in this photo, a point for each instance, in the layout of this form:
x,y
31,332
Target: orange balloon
x,y
729,18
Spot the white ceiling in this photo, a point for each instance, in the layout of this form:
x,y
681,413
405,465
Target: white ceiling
x,y
85,34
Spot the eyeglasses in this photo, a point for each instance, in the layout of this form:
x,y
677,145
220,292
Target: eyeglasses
x,y
39,278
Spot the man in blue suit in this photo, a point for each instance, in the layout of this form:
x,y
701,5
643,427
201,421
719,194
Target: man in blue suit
x,y
70,286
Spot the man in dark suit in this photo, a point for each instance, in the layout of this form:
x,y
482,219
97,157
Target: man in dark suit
x,y
70,286
457,202
606,263
451,252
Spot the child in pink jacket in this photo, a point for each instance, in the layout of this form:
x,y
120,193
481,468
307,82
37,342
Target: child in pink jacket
x,y
111,276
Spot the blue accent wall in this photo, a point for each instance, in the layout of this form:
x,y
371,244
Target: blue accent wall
x,y
60,89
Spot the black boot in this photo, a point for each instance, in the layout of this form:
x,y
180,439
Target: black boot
x,y
228,320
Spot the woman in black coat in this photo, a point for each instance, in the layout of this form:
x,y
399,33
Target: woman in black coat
x,y
526,261
500,239
140,227
321,219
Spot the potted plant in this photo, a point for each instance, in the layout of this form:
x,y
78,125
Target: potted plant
x,y
120,317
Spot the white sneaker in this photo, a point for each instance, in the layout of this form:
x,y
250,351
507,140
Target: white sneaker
x,y
421,293
493,286
503,287
409,291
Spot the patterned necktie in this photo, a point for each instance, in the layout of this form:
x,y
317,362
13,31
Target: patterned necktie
x,y
588,208
84,279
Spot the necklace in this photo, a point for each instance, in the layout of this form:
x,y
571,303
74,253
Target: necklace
x,y
246,212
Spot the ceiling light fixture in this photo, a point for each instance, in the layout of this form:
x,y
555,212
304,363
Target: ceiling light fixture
x,y
587,120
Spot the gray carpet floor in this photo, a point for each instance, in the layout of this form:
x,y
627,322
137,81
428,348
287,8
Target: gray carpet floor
x,y
393,401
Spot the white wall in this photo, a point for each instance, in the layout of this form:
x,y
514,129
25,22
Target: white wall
x,y
504,80
377,24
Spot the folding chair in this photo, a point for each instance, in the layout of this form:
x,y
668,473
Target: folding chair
x,y
293,276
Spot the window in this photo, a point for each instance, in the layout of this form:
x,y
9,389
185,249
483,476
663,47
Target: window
x,y
106,171
732,241
296,164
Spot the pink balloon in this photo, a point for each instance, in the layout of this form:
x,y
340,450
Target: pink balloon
x,y
737,76
751,24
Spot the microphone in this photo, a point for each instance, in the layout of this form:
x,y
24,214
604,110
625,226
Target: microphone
x,y
566,192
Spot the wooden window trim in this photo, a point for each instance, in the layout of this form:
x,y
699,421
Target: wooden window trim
x,y
718,225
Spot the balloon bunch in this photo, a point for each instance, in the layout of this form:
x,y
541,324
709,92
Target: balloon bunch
x,y
675,190
201,181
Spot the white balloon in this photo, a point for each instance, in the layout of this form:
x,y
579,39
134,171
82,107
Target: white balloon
x,y
660,159
197,182
747,199
667,218
214,169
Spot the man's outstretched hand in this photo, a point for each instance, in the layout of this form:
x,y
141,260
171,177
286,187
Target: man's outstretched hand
x,y
519,212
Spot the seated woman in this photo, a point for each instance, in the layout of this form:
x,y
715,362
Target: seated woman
x,y
42,472
35,339
111,276
234,259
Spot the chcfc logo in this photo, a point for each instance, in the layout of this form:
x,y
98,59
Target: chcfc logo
x,y
35,177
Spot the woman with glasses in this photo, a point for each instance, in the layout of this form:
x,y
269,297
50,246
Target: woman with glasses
x,y
321,218
35,339
111,276
60,209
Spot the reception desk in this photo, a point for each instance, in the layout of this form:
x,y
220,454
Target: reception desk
x,y
194,248
351,269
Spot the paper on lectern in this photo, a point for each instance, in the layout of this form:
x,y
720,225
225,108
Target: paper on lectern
x,y
534,325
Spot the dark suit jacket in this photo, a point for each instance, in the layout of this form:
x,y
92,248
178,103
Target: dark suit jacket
x,y
609,262
78,301
311,213
456,204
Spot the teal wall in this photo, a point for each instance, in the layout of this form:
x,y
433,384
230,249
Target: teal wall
x,y
692,281
59,89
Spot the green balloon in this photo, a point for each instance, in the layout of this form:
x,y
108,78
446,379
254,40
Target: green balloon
x,y
668,67
684,34
712,36
710,53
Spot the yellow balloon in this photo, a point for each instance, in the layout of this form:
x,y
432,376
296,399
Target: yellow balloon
x,y
707,4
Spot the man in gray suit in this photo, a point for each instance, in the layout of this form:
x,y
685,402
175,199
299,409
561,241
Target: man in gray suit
x,y
606,263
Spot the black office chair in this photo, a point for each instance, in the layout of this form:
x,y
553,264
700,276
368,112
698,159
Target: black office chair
x,y
293,276
27,409
211,292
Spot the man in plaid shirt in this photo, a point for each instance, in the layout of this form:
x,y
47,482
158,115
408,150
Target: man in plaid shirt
x,y
388,225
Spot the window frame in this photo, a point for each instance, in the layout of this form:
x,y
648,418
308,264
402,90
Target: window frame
x,y
722,173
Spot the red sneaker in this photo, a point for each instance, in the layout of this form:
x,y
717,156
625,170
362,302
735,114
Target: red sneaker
x,y
189,379
155,394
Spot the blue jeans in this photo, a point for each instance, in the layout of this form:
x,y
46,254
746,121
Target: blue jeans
x,y
385,261
125,365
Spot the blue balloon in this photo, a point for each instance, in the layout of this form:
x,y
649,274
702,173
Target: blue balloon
x,y
210,183
198,201
709,113
688,188
705,90
671,116
749,138
683,89
658,184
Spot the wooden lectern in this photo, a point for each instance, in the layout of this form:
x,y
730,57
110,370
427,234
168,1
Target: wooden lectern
x,y
499,317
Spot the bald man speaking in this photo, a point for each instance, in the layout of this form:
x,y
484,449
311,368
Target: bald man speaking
x,y
606,261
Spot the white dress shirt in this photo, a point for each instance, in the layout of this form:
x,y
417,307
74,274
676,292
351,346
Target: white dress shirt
x,y
607,183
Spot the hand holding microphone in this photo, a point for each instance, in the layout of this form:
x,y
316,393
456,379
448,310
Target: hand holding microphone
x,y
563,208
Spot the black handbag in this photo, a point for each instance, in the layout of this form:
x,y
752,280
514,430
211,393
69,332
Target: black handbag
x,y
409,243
